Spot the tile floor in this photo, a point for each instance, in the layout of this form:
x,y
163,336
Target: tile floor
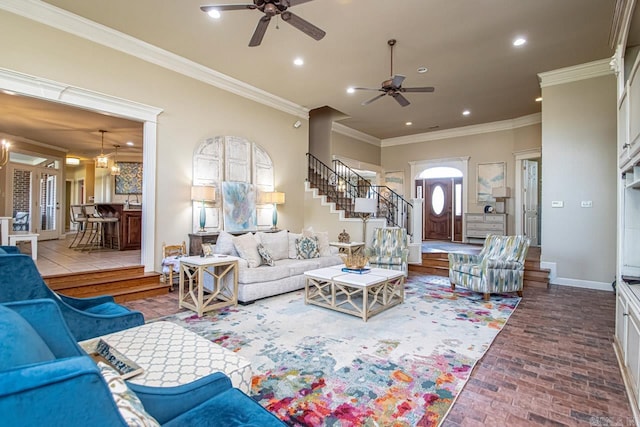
x,y
552,365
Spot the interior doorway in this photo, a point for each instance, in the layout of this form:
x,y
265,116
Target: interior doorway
x,y
528,194
441,188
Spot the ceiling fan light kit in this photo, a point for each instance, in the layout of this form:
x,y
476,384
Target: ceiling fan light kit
x,y
270,8
393,86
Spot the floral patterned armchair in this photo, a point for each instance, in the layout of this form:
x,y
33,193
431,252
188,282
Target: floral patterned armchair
x,y
389,249
499,267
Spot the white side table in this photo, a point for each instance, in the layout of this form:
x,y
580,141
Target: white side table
x,y
192,277
25,236
349,248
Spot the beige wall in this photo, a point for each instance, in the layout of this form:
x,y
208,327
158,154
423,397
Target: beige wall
x,y
192,111
480,148
346,146
579,164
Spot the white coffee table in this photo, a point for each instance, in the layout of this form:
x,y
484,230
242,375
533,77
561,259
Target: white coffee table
x,y
361,295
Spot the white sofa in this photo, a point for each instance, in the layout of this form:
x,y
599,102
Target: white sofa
x,y
257,279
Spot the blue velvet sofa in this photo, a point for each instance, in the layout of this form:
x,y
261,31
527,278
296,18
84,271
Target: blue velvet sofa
x,y
46,379
86,317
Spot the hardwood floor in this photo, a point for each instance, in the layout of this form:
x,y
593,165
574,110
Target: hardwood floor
x,y
55,257
553,364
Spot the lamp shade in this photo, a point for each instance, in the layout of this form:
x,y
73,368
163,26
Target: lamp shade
x,y
365,205
274,197
501,192
203,193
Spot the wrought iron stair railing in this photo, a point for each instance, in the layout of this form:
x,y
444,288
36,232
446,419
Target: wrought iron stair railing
x,y
342,185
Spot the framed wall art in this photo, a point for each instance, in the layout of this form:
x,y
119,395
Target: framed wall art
x,y
490,175
239,206
130,179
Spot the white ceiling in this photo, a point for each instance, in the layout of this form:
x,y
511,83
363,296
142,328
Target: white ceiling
x,y
466,44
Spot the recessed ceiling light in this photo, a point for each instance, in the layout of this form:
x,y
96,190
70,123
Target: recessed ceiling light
x,y
214,13
539,99
423,70
409,123
519,41
130,144
350,90
298,62
466,112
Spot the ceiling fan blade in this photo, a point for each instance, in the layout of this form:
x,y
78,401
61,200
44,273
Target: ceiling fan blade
x,y
222,7
258,34
401,99
373,99
366,88
397,80
418,89
296,2
305,26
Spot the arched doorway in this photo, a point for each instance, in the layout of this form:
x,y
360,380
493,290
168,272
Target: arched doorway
x,y
442,190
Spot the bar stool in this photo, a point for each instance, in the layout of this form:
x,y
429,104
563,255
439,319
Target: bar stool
x,y
97,223
79,218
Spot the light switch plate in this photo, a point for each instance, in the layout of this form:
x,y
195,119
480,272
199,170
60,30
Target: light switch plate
x,y
586,204
557,204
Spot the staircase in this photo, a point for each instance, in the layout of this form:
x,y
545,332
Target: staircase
x,y
437,263
123,283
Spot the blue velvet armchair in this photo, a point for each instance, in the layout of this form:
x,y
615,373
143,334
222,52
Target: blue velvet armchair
x,y
46,379
86,317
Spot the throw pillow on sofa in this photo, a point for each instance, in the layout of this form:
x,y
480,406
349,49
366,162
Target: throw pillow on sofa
x,y
307,248
293,253
323,240
247,247
276,243
224,244
265,255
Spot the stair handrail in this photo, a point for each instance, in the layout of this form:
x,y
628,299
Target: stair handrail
x,y
343,184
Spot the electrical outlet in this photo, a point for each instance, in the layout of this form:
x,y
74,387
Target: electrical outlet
x,y
586,204
557,204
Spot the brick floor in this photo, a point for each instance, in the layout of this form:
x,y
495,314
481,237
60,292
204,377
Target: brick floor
x,y
553,364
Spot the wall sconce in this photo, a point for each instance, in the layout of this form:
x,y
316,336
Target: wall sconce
x,y
500,194
101,161
203,193
365,207
275,198
4,156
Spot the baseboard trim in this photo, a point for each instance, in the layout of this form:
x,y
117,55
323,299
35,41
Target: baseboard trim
x,y
587,284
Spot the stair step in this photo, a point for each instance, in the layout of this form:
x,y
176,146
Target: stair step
x,y
112,287
60,282
141,292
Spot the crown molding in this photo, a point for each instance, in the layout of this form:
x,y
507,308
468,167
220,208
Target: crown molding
x,y
63,20
355,134
510,124
576,73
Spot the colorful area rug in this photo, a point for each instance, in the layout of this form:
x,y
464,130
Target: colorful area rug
x,y
317,367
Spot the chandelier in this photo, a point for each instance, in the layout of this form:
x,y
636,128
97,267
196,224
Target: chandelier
x,y
102,161
4,156
115,169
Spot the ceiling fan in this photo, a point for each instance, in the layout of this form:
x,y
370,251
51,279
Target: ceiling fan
x,y
271,8
393,86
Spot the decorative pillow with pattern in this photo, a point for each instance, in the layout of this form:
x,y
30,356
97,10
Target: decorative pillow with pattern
x,y
128,403
266,256
307,248
323,240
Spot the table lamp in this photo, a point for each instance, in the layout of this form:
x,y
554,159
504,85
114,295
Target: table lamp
x,y
275,198
203,193
365,207
500,194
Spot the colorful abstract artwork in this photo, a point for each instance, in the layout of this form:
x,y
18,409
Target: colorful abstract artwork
x,y
130,179
239,206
